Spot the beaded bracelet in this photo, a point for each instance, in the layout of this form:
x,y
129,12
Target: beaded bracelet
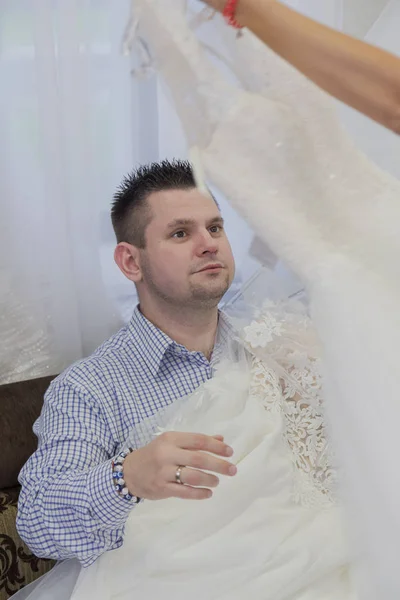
x,y
118,476
229,14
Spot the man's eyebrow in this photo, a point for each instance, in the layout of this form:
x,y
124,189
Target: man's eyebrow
x,y
180,223
216,221
190,222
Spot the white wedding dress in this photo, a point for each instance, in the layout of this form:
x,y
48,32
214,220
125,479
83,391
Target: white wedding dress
x,y
273,532
272,143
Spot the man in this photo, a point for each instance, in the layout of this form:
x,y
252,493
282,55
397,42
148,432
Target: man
x,y
173,247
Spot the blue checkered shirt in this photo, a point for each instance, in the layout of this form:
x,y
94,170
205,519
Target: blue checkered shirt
x,y
68,505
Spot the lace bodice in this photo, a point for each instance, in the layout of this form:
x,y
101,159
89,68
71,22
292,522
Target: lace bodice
x,y
286,378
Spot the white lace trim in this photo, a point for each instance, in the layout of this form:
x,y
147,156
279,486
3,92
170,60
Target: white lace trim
x,y
286,378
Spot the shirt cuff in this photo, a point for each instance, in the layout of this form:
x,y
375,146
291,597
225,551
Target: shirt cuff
x,y
107,506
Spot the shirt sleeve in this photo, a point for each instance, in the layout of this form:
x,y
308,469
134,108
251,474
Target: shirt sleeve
x,y
68,506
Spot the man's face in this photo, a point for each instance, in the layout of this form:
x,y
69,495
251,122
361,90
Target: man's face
x,y
187,260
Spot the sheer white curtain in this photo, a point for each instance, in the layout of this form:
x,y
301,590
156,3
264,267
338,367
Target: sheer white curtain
x,y
71,123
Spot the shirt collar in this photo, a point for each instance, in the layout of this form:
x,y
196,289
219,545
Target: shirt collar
x,y
153,344
149,341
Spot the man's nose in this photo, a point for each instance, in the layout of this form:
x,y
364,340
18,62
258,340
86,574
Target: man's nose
x,y
207,244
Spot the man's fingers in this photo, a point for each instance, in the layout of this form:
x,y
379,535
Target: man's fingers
x,y
186,492
201,456
195,478
198,441
205,462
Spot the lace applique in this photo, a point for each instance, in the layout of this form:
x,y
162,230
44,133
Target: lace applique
x,y
261,332
265,385
286,379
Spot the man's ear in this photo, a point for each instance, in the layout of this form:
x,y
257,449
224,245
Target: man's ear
x,y
127,258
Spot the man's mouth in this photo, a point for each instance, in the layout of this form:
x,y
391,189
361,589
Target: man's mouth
x,y
211,267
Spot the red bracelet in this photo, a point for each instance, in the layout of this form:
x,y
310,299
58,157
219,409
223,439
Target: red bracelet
x,y
229,14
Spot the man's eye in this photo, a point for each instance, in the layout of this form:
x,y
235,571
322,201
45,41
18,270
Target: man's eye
x,y
215,228
179,234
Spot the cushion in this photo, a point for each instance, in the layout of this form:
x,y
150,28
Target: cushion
x,y
20,405
18,566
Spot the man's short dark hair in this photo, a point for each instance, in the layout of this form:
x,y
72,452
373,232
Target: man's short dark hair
x,y
130,213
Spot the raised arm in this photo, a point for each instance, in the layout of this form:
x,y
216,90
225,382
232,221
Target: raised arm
x,y
360,75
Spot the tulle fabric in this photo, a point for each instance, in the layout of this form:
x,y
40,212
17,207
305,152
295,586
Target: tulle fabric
x,y
58,584
251,538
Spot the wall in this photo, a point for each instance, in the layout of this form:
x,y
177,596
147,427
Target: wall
x,y
328,12
360,15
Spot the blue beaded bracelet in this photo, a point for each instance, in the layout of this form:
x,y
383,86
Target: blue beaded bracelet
x,y
118,477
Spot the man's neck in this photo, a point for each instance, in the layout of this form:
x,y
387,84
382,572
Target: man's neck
x,y
195,329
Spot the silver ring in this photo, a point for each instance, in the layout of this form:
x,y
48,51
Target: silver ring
x,y
178,475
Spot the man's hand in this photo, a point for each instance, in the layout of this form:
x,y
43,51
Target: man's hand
x,y
150,471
